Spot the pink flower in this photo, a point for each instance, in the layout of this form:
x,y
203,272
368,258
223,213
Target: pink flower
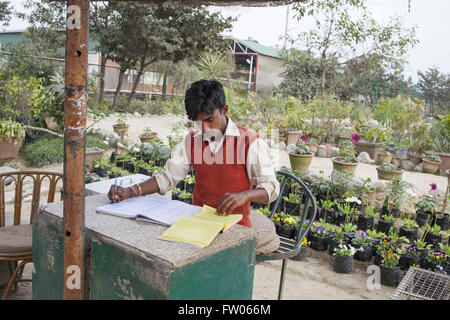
x,y
433,186
356,137
304,137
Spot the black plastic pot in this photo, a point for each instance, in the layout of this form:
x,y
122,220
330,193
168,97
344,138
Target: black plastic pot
x,y
395,212
384,226
175,196
374,243
390,276
256,205
363,255
340,219
410,234
318,243
433,239
180,185
113,176
442,220
113,156
102,172
377,257
384,210
131,167
302,255
190,187
406,261
186,200
291,208
144,171
343,264
423,218
286,232
365,223
333,244
349,236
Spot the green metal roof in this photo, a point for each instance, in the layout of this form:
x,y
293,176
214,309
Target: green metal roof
x,y
259,48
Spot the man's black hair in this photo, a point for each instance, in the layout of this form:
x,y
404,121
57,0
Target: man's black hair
x,y
204,97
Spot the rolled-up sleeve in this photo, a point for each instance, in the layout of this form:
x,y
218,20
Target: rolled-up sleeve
x,y
175,169
260,169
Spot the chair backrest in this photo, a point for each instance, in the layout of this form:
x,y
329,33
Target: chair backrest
x,y
308,208
18,177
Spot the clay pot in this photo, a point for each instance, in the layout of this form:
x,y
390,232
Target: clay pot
x,y
121,130
372,148
383,158
300,162
150,138
313,148
339,164
292,137
445,161
9,148
388,174
430,166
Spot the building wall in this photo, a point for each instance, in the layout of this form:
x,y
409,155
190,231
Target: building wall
x,y
268,73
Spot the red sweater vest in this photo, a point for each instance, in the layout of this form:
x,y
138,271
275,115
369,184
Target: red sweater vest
x,y
222,172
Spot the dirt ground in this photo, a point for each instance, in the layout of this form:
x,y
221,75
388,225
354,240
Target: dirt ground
x,y
311,279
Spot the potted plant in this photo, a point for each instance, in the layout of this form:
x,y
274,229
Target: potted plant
x,y
287,227
395,196
388,171
372,144
363,246
185,197
121,126
114,172
148,135
319,237
423,249
366,218
300,157
189,183
175,192
375,237
446,249
389,269
385,154
409,229
345,213
303,254
12,134
336,238
349,231
425,208
433,235
291,204
346,159
343,262
327,211
409,256
436,260
430,163
386,223
101,167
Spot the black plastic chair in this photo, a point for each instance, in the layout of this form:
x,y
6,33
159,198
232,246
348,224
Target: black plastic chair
x,y
288,247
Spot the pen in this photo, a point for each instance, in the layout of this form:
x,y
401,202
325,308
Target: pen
x,y
115,190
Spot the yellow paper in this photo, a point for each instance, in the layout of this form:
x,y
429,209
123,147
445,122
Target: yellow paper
x,y
209,213
198,232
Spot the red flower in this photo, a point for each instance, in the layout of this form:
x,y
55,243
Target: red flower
x,y
304,137
356,137
433,186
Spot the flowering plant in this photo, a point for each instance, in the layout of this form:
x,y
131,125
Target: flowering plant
x,y
344,250
363,240
320,231
356,137
389,258
410,251
437,257
304,137
305,242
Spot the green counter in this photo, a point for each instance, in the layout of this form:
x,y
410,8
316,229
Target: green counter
x,y
124,259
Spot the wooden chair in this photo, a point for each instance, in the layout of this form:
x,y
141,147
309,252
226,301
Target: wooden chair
x,y
289,248
16,239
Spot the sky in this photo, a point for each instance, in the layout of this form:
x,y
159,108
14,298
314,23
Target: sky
x,y
267,24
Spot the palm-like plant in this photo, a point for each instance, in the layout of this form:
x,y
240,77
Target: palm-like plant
x,y
213,66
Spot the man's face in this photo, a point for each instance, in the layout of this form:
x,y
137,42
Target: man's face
x,y
213,122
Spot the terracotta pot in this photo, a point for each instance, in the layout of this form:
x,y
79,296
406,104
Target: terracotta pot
x,y
372,148
445,161
383,158
292,137
300,162
388,174
150,138
313,148
430,166
9,148
121,130
91,155
414,158
339,164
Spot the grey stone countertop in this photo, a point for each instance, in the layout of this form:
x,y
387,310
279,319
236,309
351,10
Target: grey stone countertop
x,y
144,236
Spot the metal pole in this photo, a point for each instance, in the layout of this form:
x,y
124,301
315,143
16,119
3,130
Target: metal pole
x,y
250,73
76,71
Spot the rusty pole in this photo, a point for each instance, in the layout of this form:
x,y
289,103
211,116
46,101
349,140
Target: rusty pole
x,y
76,72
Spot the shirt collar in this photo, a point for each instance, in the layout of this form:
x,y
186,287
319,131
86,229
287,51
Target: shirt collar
x,y
230,130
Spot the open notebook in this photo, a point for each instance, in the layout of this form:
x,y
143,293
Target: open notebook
x,y
201,228
150,209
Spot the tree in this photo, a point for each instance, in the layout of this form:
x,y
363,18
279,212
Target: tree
x,y
5,12
436,89
344,30
150,33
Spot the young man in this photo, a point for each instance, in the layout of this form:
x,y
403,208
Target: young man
x,y
228,160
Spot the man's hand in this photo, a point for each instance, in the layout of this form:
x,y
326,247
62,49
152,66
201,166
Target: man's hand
x,y
121,194
231,201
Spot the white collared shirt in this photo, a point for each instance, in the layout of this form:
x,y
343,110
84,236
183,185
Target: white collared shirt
x,y
258,164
